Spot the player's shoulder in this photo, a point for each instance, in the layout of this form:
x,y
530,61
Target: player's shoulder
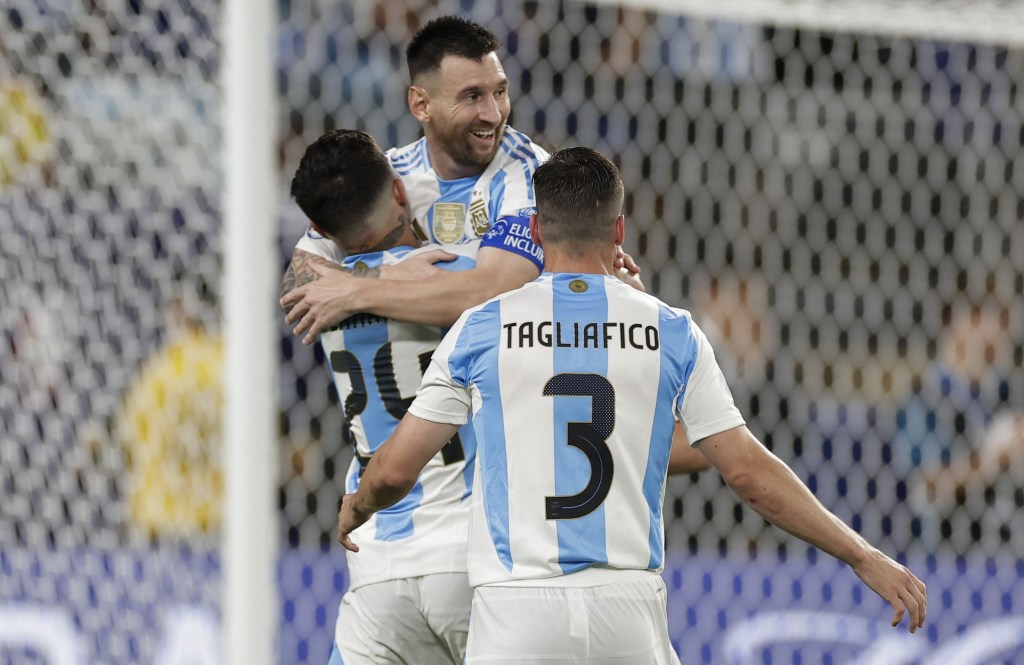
x,y
518,148
491,308
410,158
666,311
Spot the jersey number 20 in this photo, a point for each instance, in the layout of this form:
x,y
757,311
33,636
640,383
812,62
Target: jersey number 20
x,y
387,386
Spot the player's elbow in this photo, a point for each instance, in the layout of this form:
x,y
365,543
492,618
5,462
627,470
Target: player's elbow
x,y
746,476
743,481
758,483
395,481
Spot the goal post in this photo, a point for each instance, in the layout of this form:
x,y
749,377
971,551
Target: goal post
x,y
250,550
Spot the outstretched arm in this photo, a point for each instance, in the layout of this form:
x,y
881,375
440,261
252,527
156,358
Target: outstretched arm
x,y
771,488
436,300
392,472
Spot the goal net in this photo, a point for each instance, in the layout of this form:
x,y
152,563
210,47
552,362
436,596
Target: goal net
x,y
835,189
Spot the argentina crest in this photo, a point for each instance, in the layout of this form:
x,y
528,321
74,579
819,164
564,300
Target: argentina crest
x,y
449,222
478,214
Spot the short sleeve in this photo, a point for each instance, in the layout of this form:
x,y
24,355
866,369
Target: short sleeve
x,y
707,406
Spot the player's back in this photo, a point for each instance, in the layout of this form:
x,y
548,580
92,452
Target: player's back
x,y
574,426
377,364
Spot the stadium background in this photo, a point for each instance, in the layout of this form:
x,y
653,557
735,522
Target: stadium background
x,y
827,202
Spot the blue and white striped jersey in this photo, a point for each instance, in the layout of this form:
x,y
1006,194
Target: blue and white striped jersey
x,y
573,382
494,206
377,365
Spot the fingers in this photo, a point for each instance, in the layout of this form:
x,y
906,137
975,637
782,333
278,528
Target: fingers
x,y
624,260
347,543
906,600
897,614
305,323
630,264
299,310
311,335
345,526
436,255
308,326
919,593
914,598
290,302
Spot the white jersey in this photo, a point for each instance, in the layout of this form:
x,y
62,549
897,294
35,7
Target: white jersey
x,y
494,206
377,365
573,382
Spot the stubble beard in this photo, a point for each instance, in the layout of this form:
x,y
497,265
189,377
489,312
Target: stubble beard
x,y
457,146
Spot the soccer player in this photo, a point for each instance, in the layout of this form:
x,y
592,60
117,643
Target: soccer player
x,y
409,599
573,382
470,176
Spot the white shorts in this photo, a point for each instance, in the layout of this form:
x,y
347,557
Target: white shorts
x,y
413,621
613,624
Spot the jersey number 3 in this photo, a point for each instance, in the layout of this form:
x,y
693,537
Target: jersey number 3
x,y
590,437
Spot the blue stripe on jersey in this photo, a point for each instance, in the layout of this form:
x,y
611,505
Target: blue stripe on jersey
x,y
366,342
335,657
677,361
408,161
522,150
497,194
581,542
517,140
395,523
469,446
485,324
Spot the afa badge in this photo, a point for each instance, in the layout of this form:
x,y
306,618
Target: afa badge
x,y
449,222
578,286
478,215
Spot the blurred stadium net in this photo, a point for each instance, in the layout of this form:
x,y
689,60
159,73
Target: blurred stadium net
x,y
835,189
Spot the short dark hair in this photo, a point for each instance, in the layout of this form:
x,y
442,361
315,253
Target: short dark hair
x,y
579,196
340,178
444,36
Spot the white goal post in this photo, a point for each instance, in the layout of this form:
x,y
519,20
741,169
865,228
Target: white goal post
x,y
250,552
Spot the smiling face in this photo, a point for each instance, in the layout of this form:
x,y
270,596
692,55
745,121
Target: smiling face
x,y
463,106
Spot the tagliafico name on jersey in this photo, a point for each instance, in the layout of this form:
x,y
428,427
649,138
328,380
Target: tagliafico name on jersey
x,y
581,335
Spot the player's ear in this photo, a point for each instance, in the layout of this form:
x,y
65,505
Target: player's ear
x,y
419,103
401,196
620,229
535,230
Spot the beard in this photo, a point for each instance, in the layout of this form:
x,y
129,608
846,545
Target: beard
x,y
457,143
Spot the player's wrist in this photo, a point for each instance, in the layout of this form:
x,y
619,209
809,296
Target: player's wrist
x,y
361,509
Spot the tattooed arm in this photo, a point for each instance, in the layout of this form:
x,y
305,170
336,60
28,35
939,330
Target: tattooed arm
x,y
300,272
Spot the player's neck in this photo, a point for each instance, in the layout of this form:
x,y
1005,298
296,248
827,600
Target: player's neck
x,y
447,168
401,235
592,262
